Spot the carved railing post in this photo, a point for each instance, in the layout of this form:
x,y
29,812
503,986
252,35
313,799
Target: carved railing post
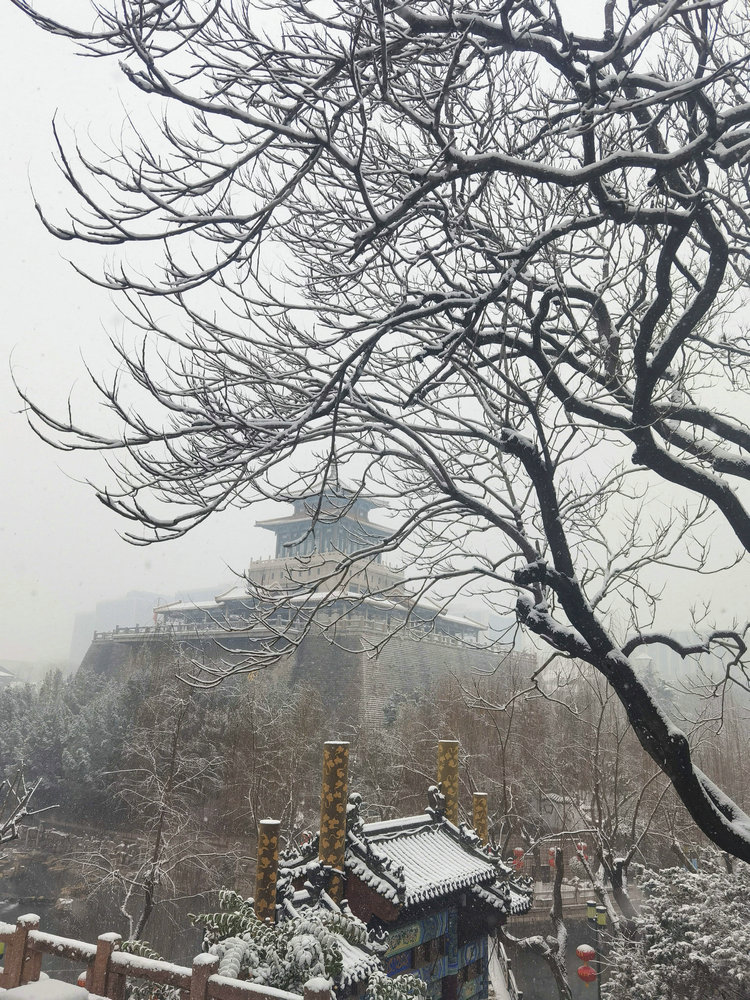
x,y
96,980
15,952
32,965
117,984
204,966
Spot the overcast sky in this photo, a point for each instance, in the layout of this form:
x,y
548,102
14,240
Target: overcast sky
x,y
59,548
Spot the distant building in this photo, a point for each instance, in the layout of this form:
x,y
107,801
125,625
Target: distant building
x,y
324,615
135,608
8,677
313,547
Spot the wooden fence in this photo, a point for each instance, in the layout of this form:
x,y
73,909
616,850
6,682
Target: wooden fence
x,y
107,969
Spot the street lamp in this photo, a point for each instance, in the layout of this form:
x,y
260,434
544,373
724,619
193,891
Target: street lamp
x,y
596,917
600,921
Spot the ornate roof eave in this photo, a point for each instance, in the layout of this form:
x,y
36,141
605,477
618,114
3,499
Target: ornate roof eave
x,y
492,881
370,863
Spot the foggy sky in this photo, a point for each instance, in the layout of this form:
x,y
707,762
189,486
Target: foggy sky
x,y
59,548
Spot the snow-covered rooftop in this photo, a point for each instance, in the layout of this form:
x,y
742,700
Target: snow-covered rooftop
x,y
358,961
432,862
187,606
423,612
418,859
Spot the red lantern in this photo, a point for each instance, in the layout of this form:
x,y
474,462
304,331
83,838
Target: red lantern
x,y
585,952
587,974
552,857
518,858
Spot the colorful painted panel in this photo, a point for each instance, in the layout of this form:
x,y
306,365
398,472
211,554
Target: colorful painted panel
x,y
409,936
396,964
434,972
452,942
435,990
473,989
472,951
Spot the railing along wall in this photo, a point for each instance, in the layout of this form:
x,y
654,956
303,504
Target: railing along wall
x,y
500,967
176,630
108,969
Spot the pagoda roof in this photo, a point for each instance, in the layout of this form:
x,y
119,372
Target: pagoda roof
x,y
329,506
420,612
237,593
188,606
422,859
340,496
304,517
436,611
386,603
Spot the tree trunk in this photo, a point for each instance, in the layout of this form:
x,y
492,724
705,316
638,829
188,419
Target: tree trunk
x,y
558,961
552,950
617,877
151,880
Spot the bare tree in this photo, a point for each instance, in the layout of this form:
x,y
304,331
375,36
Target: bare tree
x,y
552,946
626,796
476,263
15,799
161,783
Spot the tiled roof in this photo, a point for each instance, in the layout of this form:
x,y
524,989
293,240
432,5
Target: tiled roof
x,y
504,897
433,863
417,859
358,961
357,964
520,900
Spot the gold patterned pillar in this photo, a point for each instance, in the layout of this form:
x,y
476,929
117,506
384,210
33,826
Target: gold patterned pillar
x,y
333,800
448,777
267,869
479,815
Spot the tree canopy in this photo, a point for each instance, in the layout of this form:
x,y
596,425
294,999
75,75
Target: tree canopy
x,y
478,266
692,939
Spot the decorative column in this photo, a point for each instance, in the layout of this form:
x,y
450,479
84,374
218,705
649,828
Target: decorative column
x,y
267,869
448,777
479,815
333,801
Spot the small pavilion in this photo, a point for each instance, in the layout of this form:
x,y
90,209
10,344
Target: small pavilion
x,y
433,890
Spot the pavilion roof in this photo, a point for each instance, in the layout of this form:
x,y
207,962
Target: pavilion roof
x,y
422,859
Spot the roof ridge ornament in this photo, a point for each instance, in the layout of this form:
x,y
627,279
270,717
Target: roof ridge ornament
x,y
467,835
354,822
436,801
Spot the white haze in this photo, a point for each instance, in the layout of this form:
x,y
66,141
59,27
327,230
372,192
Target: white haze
x,y
59,548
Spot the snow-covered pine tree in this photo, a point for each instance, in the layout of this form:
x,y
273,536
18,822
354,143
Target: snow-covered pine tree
x,y
693,939
305,944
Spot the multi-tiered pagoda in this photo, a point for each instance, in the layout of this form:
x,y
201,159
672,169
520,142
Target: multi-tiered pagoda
x,y
328,564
